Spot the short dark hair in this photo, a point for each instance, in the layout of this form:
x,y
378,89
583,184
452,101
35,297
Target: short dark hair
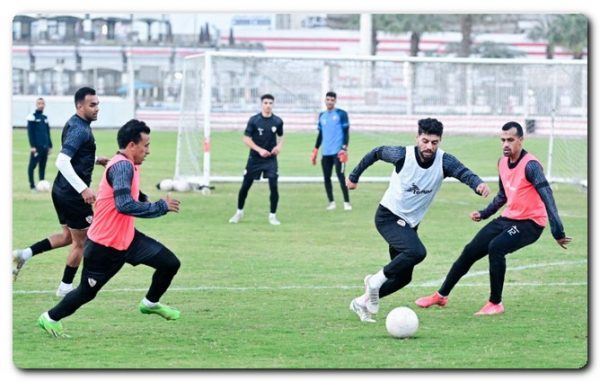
x,y
331,94
82,93
431,126
131,132
267,96
512,124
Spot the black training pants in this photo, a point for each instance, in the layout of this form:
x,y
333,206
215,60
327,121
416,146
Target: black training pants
x,y
101,263
39,158
327,163
405,248
498,238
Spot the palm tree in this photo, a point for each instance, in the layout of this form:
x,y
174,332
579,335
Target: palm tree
x,y
572,33
544,29
466,29
416,24
568,30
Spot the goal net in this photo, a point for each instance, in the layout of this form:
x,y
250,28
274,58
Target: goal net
x,y
220,91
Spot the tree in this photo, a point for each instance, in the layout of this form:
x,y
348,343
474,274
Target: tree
x,y
416,24
466,28
572,33
544,29
231,39
569,31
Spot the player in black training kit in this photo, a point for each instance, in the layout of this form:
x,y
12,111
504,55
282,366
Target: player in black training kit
x,y
71,193
264,136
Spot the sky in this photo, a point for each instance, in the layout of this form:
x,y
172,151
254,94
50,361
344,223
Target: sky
x,y
11,8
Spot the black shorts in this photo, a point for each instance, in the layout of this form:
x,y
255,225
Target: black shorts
x,y
265,167
101,263
72,211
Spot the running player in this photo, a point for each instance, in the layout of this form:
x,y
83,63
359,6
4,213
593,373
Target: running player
x,y
113,239
416,179
71,192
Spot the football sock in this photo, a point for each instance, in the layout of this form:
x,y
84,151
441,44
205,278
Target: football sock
x,y
26,254
40,247
148,303
377,279
69,274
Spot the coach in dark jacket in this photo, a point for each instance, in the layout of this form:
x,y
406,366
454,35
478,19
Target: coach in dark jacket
x,y
38,131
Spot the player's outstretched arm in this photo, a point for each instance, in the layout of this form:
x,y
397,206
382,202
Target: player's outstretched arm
x,y
350,184
483,189
102,160
476,216
388,154
172,204
563,242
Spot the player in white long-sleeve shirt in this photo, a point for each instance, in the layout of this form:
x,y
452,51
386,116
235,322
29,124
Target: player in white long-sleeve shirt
x,y
71,192
417,177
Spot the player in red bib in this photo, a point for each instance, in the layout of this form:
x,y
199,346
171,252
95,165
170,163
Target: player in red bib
x,y
112,237
529,205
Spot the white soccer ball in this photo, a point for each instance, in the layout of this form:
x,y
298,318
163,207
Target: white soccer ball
x,y
402,322
43,186
166,185
181,186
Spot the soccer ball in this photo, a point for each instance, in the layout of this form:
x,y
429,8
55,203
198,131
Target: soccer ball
x,y
166,185
181,186
402,322
43,186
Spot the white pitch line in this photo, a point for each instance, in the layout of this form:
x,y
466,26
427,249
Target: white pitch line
x,y
508,269
431,283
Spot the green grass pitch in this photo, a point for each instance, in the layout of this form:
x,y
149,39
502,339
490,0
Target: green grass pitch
x,y
258,296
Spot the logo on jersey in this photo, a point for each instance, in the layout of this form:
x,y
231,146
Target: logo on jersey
x,y
260,131
89,219
414,189
273,129
92,282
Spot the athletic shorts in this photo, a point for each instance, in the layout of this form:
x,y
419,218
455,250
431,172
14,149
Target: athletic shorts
x,y
72,211
101,262
255,168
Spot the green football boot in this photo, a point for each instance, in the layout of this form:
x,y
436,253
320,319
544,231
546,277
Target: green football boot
x,y
54,329
168,313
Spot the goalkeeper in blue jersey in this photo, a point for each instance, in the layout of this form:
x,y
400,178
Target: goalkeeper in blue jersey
x,y
333,135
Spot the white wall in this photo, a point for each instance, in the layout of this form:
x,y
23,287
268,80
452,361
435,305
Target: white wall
x,y
114,111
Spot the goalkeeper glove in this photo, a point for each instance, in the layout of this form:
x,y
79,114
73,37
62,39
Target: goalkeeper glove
x,y
343,156
313,156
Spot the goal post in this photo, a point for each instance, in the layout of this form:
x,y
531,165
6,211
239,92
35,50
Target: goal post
x,y
220,91
192,162
567,151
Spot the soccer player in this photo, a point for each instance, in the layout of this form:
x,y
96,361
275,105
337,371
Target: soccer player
x,y
334,133
264,137
416,178
529,204
71,193
113,239
40,142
